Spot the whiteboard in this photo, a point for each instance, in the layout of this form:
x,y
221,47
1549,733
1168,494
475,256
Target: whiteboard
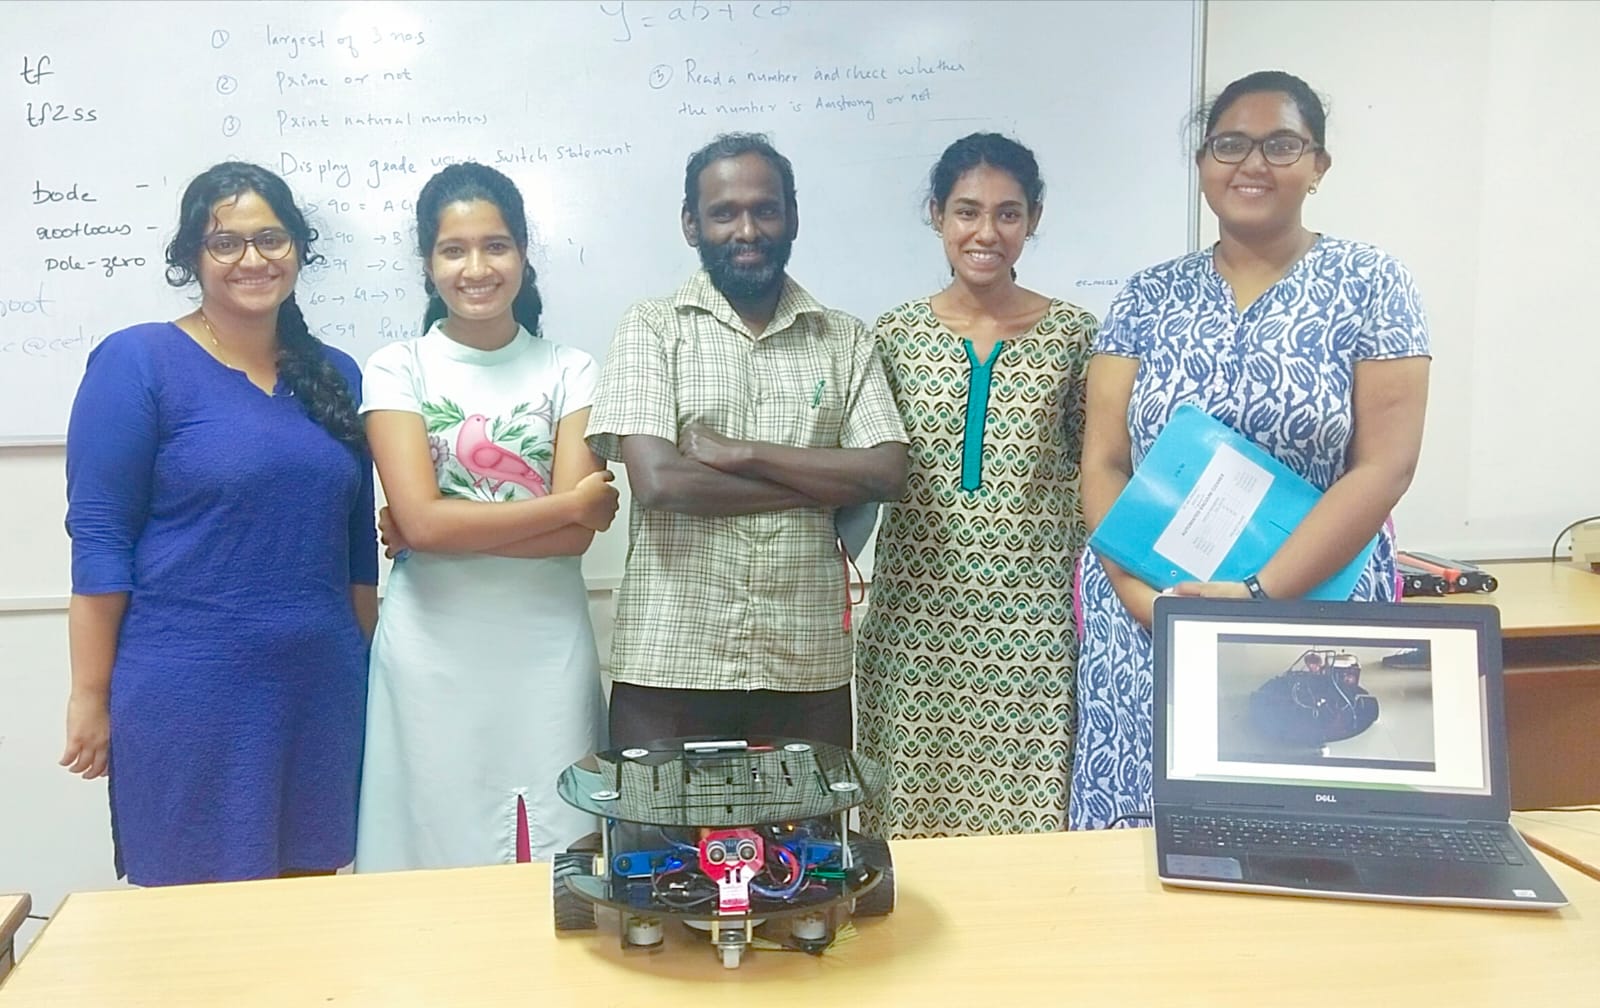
x,y
592,108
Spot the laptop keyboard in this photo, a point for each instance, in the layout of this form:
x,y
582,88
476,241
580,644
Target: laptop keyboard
x,y
1246,834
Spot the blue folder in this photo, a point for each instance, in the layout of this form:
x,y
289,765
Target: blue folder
x,y
1200,485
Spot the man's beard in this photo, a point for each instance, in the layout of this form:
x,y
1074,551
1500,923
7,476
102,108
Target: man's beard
x,y
745,283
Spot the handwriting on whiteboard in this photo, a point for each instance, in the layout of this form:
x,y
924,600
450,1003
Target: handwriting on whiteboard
x,y
627,18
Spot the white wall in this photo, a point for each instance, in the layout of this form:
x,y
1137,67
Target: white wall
x,y
1462,143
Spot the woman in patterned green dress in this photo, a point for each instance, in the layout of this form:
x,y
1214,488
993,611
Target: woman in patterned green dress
x,y
965,660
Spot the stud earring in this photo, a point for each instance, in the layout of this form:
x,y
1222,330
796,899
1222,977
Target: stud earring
x,y
1312,190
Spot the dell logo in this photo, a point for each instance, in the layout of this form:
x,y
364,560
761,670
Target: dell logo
x,y
1327,798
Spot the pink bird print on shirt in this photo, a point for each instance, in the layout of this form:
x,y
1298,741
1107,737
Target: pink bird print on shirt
x,y
490,463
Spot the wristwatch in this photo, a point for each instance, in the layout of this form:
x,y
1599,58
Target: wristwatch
x,y
1254,586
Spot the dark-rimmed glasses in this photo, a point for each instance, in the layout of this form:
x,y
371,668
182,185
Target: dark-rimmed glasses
x,y
1281,149
228,248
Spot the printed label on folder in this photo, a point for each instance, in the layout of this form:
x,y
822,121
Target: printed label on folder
x,y
1211,518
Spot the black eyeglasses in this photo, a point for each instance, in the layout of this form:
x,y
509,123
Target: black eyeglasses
x,y
1281,149
228,248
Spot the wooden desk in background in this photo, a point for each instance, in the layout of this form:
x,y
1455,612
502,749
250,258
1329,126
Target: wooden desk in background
x,y
1060,918
1569,835
1550,630
13,911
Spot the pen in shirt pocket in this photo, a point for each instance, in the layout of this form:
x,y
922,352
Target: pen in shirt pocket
x,y
816,393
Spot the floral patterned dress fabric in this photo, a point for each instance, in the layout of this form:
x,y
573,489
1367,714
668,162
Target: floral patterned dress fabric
x,y
965,659
485,678
1282,374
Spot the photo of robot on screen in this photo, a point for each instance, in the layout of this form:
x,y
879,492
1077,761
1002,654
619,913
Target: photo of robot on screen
x,y
1324,702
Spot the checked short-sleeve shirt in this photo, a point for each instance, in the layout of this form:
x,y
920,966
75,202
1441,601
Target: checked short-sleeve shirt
x,y
746,601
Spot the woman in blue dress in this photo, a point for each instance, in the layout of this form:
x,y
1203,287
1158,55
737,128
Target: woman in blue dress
x,y
1314,347
224,561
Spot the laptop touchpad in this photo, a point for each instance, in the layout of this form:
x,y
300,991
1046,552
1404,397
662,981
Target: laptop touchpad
x,y
1302,872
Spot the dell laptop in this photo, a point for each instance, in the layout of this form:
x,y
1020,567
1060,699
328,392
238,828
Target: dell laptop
x,y
1343,749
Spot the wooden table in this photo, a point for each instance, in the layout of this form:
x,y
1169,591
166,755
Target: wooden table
x,y
13,911
1538,599
1064,918
1569,835
1550,629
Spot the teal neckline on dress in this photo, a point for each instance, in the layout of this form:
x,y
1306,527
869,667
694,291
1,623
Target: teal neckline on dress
x,y
977,415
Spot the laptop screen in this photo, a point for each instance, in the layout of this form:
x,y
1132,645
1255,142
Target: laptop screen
x,y
1331,701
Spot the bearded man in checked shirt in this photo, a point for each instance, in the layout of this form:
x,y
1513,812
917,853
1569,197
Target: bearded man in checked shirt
x,y
746,414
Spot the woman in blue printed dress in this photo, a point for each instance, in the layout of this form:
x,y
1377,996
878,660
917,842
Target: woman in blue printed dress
x,y
1314,347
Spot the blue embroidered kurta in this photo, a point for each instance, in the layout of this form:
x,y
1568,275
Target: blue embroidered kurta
x,y
236,525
